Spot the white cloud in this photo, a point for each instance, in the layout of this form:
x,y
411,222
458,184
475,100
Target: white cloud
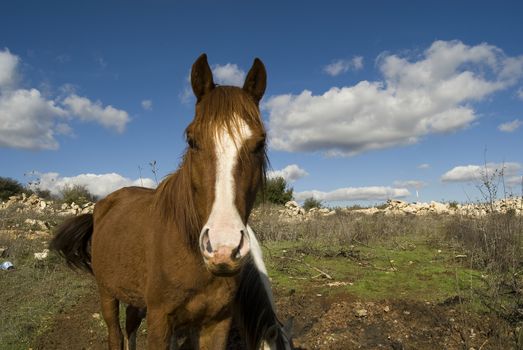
x,y
229,74
432,94
417,184
424,166
147,105
515,181
29,120
355,194
520,94
342,66
8,65
510,126
471,173
290,173
87,110
98,184
186,95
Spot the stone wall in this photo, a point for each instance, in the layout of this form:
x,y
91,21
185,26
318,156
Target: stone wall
x,y
293,210
34,203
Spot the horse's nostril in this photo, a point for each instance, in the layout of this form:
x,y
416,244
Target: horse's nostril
x,y
206,242
236,251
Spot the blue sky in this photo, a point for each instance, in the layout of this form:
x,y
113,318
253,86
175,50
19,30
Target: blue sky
x,y
364,101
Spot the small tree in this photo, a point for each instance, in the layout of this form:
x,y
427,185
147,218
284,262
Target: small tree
x,y
78,194
311,202
9,187
275,191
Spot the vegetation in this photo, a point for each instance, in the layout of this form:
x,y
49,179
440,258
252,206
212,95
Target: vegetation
x,y
9,187
275,191
78,194
311,202
33,293
474,264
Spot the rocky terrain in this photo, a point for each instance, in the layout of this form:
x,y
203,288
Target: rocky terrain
x,y
294,211
34,203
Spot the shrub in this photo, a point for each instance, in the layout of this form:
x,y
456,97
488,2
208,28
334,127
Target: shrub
x,y
9,187
78,194
453,205
44,194
311,202
275,191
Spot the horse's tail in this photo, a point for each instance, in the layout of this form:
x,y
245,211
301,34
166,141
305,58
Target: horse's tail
x,y
73,242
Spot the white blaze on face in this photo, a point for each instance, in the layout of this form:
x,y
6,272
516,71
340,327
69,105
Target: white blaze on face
x,y
224,223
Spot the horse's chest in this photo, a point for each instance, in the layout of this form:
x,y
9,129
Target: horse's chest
x,y
211,302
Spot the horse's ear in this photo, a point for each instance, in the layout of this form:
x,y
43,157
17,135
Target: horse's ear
x,y
201,77
256,80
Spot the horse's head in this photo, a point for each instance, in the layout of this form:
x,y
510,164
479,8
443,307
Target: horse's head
x,y
227,163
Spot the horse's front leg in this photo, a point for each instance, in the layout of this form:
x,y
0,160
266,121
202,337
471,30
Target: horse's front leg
x,y
214,336
159,329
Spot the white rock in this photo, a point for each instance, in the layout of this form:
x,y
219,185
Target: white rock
x,y
42,255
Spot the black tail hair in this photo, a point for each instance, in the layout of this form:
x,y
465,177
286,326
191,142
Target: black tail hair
x,y
73,242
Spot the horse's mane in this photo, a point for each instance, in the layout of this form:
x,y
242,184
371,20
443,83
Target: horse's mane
x,y
253,309
220,109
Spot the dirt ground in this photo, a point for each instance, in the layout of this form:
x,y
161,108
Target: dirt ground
x,y
324,322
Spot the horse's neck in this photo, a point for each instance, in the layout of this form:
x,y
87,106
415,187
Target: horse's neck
x,y
175,202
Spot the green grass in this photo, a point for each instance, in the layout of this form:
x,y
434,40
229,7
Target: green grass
x,y
376,272
31,297
34,292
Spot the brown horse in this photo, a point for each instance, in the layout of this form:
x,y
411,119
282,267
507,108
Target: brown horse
x,y
180,255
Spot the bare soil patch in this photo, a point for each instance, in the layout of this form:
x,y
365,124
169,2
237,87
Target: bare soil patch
x,y
324,322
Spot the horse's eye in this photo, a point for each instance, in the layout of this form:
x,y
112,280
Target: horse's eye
x,y
192,143
260,146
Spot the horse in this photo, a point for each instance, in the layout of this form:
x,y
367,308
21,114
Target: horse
x,y
183,255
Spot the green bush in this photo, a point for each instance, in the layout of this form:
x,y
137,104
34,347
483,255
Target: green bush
x,y
311,202
275,191
78,194
9,187
453,205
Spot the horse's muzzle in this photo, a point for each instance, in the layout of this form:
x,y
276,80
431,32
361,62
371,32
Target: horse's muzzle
x,y
224,259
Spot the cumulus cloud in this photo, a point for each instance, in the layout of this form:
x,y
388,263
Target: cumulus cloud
x,y
290,173
342,66
417,184
8,64
85,109
147,105
228,74
30,120
470,173
355,194
416,97
510,126
424,166
98,184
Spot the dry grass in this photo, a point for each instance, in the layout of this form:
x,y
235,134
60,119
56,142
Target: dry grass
x,y
344,227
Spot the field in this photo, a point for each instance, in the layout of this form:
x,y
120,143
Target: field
x,y
348,281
